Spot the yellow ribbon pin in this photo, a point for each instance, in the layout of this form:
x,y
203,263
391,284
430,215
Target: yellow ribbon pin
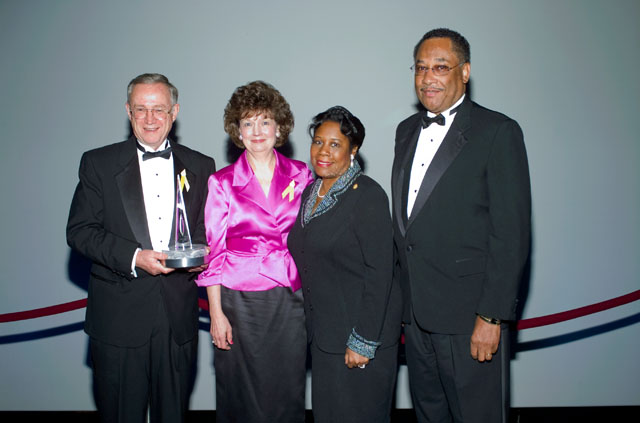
x,y
183,180
289,190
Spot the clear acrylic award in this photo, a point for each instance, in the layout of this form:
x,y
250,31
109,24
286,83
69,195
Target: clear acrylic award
x,y
183,253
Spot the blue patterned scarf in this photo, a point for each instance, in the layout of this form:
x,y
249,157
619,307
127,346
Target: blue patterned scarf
x,y
331,197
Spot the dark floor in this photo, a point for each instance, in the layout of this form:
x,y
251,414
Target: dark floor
x,y
518,415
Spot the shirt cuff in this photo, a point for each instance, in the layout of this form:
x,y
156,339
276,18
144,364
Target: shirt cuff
x,y
358,344
133,263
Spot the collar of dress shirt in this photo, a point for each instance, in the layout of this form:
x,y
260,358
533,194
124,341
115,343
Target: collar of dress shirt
x,y
164,145
451,111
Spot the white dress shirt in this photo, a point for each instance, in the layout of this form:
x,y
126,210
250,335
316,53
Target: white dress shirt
x,y
429,142
158,189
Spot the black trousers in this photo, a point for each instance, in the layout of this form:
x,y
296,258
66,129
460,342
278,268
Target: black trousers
x,y
156,375
448,385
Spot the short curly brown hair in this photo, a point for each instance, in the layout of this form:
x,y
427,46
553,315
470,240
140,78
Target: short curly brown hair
x,y
252,99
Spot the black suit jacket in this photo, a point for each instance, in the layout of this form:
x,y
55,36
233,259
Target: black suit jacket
x,y
463,249
107,223
345,261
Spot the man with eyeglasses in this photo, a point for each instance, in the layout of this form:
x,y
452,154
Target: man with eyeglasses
x,y
461,211
142,317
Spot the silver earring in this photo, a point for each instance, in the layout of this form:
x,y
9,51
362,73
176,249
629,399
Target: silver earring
x,y
240,136
351,165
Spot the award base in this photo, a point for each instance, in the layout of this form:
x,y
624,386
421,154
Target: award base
x,y
186,257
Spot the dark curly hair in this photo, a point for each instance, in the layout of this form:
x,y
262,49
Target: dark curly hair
x,y
257,97
460,44
350,126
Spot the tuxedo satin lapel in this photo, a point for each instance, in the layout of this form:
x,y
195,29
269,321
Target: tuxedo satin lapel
x,y
130,187
397,198
403,170
246,186
178,166
451,146
190,195
406,178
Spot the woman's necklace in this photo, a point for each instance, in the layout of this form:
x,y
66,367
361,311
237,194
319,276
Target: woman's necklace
x,y
318,193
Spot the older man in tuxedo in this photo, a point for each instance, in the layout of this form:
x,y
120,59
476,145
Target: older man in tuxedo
x,y
142,317
461,206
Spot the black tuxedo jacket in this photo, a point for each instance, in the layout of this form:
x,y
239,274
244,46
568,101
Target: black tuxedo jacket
x,y
463,249
345,261
107,223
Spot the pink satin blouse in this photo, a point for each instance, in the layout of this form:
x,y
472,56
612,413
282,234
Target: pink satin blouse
x,y
247,232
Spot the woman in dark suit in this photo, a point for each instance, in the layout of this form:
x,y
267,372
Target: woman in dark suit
x,y
342,245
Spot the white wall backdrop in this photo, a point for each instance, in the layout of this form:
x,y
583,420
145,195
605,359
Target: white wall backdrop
x,y
566,70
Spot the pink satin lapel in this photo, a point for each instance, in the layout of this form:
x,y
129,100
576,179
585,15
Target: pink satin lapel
x,y
283,175
246,185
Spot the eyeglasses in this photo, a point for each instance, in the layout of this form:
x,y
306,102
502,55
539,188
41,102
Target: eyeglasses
x,y
158,112
438,70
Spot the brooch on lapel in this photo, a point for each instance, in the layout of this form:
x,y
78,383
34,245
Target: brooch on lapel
x,y
355,186
184,182
289,190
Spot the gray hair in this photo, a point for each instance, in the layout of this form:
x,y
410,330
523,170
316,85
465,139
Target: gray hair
x,y
153,78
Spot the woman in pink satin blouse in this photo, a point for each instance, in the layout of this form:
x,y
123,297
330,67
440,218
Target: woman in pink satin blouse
x,y
256,307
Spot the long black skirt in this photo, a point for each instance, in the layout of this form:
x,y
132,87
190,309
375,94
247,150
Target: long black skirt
x,y
262,378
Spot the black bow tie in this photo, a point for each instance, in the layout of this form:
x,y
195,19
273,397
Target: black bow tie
x,y
439,119
146,155
426,120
